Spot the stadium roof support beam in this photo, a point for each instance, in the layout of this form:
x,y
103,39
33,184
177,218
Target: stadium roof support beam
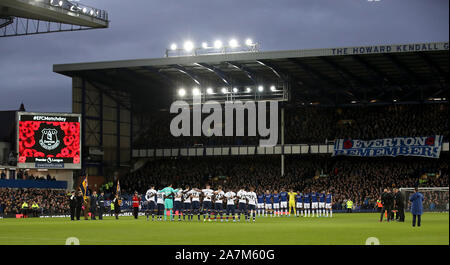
x,y
134,76
372,69
403,68
217,71
158,72
251,75
183,70
378,74
273,68
433,65
100,78
315,74
346,75
322,78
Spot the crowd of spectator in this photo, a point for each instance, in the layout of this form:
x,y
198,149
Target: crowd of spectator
x,y
347,178
358,179
315,124
50,202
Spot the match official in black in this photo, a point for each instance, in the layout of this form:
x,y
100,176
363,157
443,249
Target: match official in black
x,y
387,201
399,201
93,206
79,204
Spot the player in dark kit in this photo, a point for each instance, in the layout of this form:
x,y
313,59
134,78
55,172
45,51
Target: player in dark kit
x,y
268,202
322,203
284,202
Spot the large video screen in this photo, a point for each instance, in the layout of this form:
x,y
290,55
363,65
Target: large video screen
x,y
49,140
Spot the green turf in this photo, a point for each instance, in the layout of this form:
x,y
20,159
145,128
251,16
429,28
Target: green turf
x,y
342,229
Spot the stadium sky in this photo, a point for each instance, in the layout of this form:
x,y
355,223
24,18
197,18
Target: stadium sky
x,y
144,28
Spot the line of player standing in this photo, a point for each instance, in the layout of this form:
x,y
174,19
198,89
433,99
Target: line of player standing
x,y
302,204
221,204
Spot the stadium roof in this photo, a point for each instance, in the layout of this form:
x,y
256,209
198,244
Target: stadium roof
x,y
374,74
42,10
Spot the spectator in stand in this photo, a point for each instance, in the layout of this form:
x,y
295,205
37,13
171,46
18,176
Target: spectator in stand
x,y
316,124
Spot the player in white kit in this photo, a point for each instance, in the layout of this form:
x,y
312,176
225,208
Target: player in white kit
x,y
151,202
218,203
230,196
251,198
241,194
207,203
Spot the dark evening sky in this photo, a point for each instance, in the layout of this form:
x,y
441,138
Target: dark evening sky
x,y
144,28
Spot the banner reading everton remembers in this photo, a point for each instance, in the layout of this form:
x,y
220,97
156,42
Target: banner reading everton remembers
x,y
429,146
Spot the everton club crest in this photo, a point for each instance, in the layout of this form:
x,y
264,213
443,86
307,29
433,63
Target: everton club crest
x,y
49,139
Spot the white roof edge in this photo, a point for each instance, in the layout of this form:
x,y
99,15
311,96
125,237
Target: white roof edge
x,y
243,56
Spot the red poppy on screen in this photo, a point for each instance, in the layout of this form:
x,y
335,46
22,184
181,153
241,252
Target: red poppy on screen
x,y
348,144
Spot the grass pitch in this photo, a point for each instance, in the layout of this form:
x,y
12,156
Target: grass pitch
x,y
342,229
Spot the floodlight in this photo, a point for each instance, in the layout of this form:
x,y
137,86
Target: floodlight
x,y
173,47
233,43
249,90
235,90
188,46
224,90
195,91
181,92
209,90
218,44
272,88
84,10
260,88
248,42
91,12
204,45
60,3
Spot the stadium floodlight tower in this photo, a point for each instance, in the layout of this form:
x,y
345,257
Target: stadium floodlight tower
x,y
217,47
27,17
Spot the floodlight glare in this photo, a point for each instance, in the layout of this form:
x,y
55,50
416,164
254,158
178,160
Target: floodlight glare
x,y
233,43
173,46
209,90
248,42
272,88
181,92
195,91
204,45
91,12
60,3
249,90
218,44
188,46
235,90
260,88
224,90
84,10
